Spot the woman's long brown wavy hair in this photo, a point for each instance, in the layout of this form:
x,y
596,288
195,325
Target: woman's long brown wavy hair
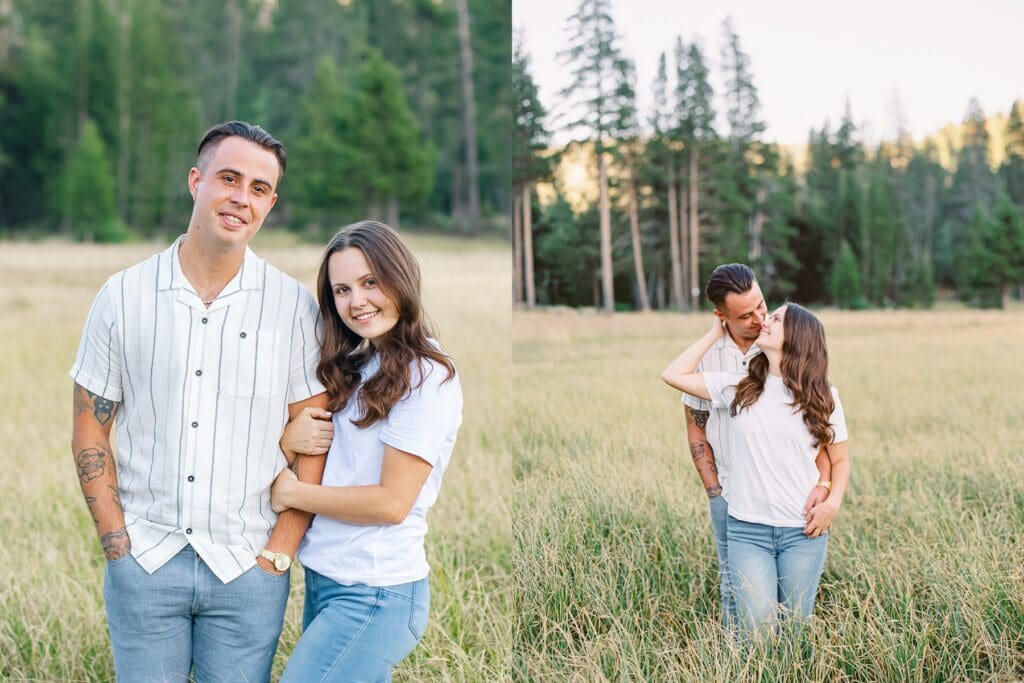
x,y
804,372
343,352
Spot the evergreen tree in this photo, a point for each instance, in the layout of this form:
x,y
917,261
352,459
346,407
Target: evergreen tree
x,y
88,191
530,163
973,185
696,118
593,55
991,260
844,283
320,157
1012,169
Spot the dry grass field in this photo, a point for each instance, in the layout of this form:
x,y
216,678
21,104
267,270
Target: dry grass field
x,y
52,623
613,562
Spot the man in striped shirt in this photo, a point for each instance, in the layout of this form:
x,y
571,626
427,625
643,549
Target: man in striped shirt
x,y
201,353
740,305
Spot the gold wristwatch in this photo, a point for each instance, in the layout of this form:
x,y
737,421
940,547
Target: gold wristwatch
x,y
827,485
281,560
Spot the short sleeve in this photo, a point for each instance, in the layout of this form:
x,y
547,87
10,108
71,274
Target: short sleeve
x,y
425,422
97,366
838,419
696,402
306,333
721,387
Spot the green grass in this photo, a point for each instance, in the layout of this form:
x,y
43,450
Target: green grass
x,y
615,570
52,621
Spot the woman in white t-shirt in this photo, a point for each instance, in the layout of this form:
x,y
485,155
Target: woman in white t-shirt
x,y
397,406
782,411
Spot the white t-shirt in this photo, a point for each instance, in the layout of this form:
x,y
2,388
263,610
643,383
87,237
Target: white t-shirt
x,y
771,450
425,424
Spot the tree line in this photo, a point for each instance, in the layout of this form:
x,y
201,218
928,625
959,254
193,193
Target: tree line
x,y
394,109
678,193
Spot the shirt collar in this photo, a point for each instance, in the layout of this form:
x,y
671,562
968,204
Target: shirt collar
x,y
249,276
727,342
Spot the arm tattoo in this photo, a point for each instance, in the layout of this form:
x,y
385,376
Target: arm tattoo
x,y
91,463
700,417
117,495
89,500
116,544
102,408
697,450
81,404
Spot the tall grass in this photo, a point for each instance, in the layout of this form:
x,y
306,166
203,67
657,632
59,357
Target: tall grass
x,y
52,621
614,565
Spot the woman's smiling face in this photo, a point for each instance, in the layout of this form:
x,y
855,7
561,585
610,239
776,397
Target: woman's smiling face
x,y
773,334
362,304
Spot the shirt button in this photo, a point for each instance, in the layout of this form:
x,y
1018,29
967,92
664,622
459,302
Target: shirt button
x,y
204,320
195,424
191,478
242,335
199,373
188,530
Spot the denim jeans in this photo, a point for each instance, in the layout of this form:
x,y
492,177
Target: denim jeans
x,y
719,515
775,572
181,618
356,633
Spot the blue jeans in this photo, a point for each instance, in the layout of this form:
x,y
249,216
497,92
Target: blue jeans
x,y
356,633
181,618
775,572
719,515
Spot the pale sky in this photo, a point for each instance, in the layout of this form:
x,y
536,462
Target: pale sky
x,y
808,57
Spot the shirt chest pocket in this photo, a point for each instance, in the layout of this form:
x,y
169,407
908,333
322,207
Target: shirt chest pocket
x,y
250,363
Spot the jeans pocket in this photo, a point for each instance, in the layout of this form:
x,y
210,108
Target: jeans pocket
x,y
268,575
419,610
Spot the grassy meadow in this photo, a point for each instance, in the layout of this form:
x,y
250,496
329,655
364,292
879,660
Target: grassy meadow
x,y
614,564
52,621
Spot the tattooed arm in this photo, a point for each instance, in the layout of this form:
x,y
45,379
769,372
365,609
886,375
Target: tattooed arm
x,y
700,450
97,471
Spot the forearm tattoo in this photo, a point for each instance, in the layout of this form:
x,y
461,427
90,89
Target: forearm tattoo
x,y
92,463
102,408
90,501
697,450
700,417
116,544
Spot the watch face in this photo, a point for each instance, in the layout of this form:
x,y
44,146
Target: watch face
x,y
282,562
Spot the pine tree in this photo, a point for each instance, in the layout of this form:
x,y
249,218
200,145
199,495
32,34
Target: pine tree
x,y
991,260
627,151
696,127
844,282
1012,169
529,164
89,196
592,55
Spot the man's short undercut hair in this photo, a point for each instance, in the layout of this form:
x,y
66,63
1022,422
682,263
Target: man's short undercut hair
x,y
729,278
246,131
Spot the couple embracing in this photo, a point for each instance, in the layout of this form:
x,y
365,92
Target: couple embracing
x,y
768,436
229,384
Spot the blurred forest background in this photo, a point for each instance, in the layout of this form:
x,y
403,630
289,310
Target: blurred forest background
x,y
637,210
392,109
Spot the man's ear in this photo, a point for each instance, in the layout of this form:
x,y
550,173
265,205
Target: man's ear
x,y
194,175
718,314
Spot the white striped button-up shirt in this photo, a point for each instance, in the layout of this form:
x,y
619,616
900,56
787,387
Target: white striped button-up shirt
x,y
723,356
204,396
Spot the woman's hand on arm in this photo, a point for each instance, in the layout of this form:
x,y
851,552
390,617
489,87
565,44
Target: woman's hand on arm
x,y
310,433
402,477
680,372
821,516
